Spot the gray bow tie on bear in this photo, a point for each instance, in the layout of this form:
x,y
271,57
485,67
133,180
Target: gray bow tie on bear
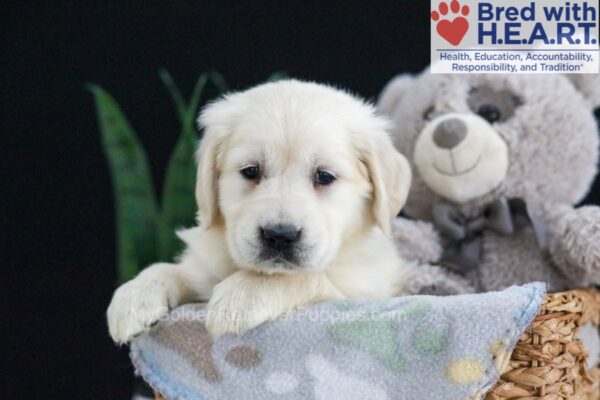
x,y
464,234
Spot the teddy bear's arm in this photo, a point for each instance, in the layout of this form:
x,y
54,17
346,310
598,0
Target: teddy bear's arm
x,y
416,241
419,243
575,243
435,280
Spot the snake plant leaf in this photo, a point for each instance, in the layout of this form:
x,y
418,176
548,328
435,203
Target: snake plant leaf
x,y
192,108
135,202
277,76
128,265
173,90
219,81
178,199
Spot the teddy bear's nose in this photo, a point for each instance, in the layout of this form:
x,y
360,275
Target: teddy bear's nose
x,y
449,133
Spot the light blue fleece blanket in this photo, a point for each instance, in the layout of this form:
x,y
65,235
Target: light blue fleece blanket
x,y
409,348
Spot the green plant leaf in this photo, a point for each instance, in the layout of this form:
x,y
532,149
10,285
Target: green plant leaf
x,y
192,107
173,90
178,199
135,202
186,112
219,81
277,76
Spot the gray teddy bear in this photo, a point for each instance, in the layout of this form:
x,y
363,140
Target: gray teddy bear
x,y
499,163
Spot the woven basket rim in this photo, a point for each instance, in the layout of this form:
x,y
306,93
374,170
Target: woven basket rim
x,y
549,362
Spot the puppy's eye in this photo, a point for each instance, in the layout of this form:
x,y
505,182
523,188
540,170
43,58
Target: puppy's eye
x,y
324,178
251,172
489,112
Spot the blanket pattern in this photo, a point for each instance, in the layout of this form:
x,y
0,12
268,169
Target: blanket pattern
x,y
415,347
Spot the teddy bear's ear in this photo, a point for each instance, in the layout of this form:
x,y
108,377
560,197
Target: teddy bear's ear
x,y
589,86
393,92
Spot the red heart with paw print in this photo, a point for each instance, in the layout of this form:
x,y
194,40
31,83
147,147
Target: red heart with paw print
x,y
453,31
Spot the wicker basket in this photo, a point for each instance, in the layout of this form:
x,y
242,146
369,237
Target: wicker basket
x,y
548,362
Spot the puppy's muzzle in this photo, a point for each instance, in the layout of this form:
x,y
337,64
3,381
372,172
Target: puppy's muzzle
x,y
280,241
280,237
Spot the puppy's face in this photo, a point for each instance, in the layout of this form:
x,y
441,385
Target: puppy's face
x,y
289,195
295,174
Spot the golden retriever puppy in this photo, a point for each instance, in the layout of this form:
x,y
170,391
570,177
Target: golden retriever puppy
x,y
297,186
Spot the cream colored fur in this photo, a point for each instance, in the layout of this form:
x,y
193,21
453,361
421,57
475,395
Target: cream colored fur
x,y
290,129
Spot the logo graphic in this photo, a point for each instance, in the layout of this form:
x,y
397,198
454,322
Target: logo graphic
x,y
515,36
452,30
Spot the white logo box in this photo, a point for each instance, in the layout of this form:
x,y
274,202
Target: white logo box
x,y
512,36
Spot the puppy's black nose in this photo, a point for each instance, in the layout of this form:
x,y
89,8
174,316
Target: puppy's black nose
x,y
450,133
280,237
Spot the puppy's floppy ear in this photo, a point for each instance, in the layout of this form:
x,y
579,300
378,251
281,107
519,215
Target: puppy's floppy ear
x,y
216,120
390,175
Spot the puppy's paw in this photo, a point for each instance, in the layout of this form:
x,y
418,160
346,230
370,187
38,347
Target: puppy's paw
x,y
246,299
233,308
135,308
224,319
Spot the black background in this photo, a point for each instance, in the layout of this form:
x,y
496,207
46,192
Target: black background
x,y
57,243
